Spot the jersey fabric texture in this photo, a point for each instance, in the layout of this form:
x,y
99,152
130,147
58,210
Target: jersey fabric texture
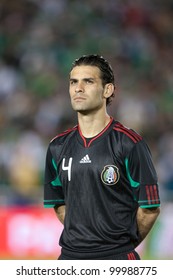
x,y
132,255
102,182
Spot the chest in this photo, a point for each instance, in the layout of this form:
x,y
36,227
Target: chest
x,y
99,163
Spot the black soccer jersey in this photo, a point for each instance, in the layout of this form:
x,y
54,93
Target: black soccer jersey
x,y
102,182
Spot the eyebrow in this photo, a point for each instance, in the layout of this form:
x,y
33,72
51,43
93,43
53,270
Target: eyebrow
x,y
84,79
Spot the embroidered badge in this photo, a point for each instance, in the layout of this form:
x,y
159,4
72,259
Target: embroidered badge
x,y
110,175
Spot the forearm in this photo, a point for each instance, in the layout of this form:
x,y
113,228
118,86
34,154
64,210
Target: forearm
x,y
145,220
60,212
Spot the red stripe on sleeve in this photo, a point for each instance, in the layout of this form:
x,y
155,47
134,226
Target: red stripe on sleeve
x,y
156,194
152,195
148,194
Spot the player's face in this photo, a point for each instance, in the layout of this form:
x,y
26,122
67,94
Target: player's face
x,y
86,89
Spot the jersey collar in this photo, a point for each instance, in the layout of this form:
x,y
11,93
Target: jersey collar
x,y
94,139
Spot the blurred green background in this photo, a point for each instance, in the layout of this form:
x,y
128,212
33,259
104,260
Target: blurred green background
x,y
39,39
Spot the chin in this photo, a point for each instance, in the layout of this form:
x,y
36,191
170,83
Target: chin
x,y
78,108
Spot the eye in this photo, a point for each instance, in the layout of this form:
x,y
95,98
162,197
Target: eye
x,y
72,82
89,81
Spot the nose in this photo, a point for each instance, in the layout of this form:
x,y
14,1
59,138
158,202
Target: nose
x,y
79,87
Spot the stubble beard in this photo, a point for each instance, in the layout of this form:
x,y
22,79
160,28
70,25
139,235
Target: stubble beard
x,y
85,110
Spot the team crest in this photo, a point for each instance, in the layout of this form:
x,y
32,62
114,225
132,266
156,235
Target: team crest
x,y
110,175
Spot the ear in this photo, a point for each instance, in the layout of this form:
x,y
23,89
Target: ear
x,y
109,89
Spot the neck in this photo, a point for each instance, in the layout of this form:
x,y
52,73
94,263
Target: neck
x,y
91,125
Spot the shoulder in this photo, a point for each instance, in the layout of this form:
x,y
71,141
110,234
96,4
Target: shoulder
x,y
60,138
126,134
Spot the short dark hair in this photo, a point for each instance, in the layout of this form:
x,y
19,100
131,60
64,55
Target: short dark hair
x,y
107,75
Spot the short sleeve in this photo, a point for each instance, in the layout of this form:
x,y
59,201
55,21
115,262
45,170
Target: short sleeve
x,y
142,176
53,192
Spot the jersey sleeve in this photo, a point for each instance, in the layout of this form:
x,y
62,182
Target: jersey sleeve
x,y
142,176
53,192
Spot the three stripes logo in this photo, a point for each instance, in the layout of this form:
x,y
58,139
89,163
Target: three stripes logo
x,y
85,159
152,194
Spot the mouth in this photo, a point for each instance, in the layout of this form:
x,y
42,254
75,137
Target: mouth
x,y
78,99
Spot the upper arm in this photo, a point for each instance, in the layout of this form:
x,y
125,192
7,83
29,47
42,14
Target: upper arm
x,y
147,216
155,211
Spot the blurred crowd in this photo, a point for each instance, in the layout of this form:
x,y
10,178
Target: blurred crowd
x,y
39,39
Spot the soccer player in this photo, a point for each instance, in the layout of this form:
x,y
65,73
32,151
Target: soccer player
x,y
99,175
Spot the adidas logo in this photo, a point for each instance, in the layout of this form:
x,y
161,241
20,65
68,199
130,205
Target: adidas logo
x,y
85,159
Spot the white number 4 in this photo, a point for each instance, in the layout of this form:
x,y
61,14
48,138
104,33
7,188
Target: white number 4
x,y
68,167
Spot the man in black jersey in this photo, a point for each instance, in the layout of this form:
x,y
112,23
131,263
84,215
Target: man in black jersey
x,y
99,175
